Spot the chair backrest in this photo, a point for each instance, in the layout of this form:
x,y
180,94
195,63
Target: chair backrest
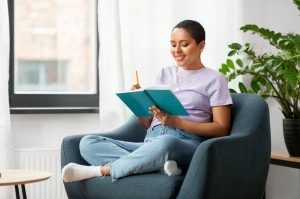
x,y
247,112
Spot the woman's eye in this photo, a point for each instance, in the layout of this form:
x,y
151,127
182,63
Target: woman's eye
x,y
184,45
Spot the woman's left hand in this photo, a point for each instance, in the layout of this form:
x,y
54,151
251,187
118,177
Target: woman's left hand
x,y
165,118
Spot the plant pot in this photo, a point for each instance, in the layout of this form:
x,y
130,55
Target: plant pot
x,y
291,132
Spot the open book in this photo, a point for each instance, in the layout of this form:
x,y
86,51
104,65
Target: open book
x,y
139,101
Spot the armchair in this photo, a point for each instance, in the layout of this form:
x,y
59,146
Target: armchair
x,y
231,167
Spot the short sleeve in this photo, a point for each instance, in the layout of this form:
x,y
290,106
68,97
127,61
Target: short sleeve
x,y
158,78
218,92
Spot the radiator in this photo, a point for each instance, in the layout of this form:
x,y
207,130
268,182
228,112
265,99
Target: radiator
x,y
44,160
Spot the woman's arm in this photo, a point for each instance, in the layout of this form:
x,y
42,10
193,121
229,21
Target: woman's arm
x,y
145,121
220,126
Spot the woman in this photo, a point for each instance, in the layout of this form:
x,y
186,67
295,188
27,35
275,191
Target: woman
x,y
170,140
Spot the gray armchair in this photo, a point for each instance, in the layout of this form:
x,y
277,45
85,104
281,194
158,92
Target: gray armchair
x,y
231,167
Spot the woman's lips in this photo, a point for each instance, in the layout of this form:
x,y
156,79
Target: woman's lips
x,y
179,58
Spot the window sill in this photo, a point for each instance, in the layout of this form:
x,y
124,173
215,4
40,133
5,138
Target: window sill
x,y
54,110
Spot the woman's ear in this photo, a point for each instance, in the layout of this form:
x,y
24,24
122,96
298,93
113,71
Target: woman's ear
x,y
201,46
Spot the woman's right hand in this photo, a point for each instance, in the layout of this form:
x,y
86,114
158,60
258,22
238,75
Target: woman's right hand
x,y
134,87
144,121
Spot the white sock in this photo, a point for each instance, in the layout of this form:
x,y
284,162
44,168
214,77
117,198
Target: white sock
x,y
171,168
75,172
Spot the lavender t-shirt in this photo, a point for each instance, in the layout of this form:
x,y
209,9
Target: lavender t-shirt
x,y
197,90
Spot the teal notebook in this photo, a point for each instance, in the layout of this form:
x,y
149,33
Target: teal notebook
x,y
140,100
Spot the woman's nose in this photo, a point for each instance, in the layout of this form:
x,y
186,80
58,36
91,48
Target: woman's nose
x,y
177,49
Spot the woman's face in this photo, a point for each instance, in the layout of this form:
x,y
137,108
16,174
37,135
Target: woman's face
x,y
185,50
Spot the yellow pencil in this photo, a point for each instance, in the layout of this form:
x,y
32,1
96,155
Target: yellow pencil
x,y
137,77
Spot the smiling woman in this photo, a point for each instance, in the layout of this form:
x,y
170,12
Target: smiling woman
x,y
170,139
186,50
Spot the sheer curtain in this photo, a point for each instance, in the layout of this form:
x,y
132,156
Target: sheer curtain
x,y
5,135
135,35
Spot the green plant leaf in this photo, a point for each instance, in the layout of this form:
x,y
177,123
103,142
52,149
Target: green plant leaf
x,y
255,86
231,53
297,38
225,68
272,92
260,80
268,87
280,72
294,57
242,87
296,85
230,63
291,91
239,62
258,69
282,43
290,46
222,71
232,90
235,46
231,76
276,37
277,66
251,27
283,54
251,92
291,76
270,34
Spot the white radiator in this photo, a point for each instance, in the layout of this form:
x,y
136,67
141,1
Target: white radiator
x,y
44,160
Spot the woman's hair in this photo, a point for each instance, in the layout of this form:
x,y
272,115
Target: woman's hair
x,y
194,28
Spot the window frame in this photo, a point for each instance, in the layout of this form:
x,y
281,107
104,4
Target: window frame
x,y
50,103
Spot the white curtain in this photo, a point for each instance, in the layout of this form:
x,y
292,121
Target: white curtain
x,y
135,35
5,135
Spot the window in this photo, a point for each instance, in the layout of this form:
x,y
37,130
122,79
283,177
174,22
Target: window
x,y
39,76
53,56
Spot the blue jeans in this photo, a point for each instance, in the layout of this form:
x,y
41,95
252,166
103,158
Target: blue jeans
x,y
161,144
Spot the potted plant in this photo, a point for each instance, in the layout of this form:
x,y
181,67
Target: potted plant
x,y
274,75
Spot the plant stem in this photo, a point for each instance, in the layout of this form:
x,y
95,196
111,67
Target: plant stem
x,y
296,102
277,58
246,71
274,96
274,78
275,44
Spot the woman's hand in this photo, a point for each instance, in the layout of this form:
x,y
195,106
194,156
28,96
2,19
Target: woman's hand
x,y
165,118
135,87
143,121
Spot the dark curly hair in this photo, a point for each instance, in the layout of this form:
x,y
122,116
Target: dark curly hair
x,y
194,28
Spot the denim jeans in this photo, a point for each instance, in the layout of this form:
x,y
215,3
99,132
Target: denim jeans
x,y
161,144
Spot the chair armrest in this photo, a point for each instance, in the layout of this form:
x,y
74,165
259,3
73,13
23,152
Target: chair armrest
x,y
70,153
234,166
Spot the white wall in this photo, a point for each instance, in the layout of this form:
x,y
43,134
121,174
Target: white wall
x,y
48,130
280,16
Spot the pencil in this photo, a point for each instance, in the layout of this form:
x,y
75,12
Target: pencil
x,y
137,77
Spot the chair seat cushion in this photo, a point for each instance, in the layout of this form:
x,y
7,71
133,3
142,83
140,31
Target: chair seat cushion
x,y
143,186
